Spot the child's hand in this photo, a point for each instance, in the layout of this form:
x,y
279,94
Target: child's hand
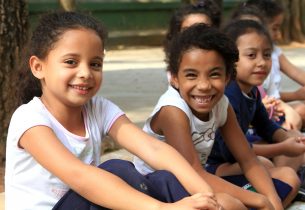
x,y
271,105
198,201
291,119
294,146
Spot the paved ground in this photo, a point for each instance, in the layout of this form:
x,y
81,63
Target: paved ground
x,y
135,78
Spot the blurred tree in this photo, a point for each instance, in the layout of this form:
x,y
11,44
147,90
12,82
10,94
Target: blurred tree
x,y
293,27
13,36
67,5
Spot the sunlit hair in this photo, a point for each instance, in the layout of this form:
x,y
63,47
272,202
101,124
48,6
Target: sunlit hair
x,y
248,11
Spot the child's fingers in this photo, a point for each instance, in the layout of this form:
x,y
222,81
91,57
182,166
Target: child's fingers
x,y
206,201
300,139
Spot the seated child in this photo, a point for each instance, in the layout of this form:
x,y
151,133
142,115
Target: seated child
x,y
54,137
255,47
281,112
274,14
201,61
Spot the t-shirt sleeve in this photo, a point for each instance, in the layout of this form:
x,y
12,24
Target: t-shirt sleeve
x,y
222,110
24,118
105,112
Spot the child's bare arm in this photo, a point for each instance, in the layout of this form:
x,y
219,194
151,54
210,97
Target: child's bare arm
x,y
174,125
239,147
298,94
95,184
157,154
292,71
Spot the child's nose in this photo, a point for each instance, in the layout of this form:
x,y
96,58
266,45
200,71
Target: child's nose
x,y
84,72
261,61
204,84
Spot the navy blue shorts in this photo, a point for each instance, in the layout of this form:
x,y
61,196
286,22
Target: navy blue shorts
x,y
282,188
161,185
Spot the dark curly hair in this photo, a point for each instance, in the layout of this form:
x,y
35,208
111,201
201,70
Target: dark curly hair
x,y
205,7
49,30
201,36
269,8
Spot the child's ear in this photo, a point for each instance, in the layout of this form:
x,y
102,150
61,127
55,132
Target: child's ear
x,y
228,78
36,67
174,81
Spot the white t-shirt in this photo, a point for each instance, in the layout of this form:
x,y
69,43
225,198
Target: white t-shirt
x,y
203,133
272,83
28,186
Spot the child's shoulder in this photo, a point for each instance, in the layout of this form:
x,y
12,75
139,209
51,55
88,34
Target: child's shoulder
x,y
100,105
33,106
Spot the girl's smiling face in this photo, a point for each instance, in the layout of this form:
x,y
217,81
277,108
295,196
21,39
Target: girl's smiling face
x,y
201,80
254,60
71,74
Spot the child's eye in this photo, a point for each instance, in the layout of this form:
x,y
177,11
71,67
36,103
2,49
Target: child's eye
x,y
267,55
70,62
190,75
251,55
97,65
215,74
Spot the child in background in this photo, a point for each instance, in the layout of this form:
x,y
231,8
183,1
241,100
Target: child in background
x,y
201,60
255,48
273,14
54,138
203,11
281,112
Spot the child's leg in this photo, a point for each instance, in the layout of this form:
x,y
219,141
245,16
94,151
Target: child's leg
x,y
283,189
289,176
231,169
127,172
123,169
73,201
171,189
300,109
293,162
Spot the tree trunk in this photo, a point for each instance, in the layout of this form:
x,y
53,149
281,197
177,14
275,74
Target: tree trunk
x,y
13,36
303,15
296,29
293,27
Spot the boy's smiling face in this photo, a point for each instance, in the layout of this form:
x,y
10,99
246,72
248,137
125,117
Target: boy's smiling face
x,y
254,60
201,80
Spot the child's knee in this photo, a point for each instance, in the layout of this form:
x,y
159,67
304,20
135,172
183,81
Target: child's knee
x,y
229,203
287,175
